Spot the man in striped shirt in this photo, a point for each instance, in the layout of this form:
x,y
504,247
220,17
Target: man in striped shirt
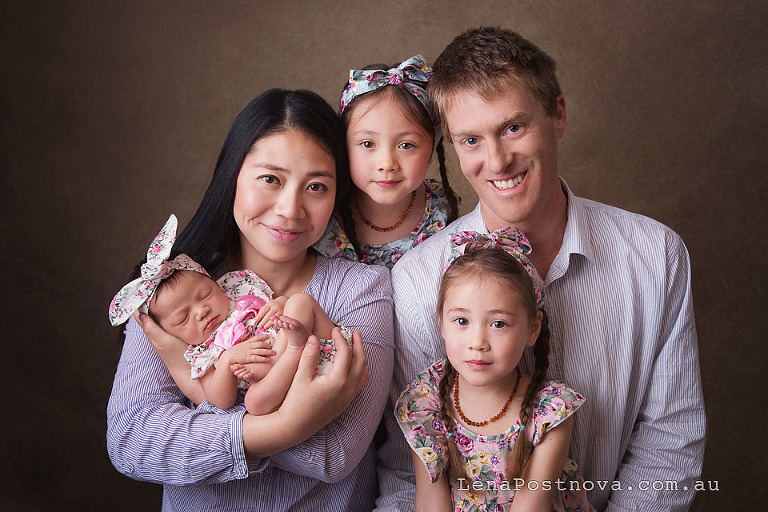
x,y
617,285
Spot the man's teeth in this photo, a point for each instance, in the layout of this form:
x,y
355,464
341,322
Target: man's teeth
x,y
505,184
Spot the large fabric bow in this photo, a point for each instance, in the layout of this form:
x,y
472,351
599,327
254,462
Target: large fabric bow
x,y
412,74
236,327
509,240
137,294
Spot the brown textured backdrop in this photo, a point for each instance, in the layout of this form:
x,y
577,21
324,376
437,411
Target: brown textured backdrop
x,y
113,113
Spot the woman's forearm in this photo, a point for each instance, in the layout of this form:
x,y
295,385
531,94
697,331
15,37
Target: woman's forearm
x,y
153,436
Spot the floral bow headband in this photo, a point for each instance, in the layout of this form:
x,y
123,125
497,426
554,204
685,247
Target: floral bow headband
x,y
412,74
508,240
137,294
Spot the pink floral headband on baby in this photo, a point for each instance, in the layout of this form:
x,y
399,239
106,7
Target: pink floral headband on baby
x,y
412,75
508,240
137,294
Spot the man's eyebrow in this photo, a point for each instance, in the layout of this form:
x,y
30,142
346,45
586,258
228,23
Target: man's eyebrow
x,y
515,117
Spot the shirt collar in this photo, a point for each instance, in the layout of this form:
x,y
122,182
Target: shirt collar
x,y
576,239
475,220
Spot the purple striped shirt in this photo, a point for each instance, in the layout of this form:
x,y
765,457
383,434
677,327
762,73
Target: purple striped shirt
x,y
198,453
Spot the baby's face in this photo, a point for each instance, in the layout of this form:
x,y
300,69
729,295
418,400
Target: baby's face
x,y
190,307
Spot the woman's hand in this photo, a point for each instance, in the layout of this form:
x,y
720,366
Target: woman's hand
x,y
167,346
338,387
312,401
171,350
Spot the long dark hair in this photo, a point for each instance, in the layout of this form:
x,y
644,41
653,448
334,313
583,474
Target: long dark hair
x,y
212,232
418,114
495,264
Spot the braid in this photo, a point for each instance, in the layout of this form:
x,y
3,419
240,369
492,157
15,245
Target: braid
x,y
518,457
455,469
348,225
453,201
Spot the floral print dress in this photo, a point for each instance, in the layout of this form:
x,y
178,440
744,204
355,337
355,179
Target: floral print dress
x,y
247,293
335,241
484,457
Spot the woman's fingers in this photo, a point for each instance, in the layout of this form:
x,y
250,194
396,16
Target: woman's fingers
x,y
359,368
309,357
343,358
162,342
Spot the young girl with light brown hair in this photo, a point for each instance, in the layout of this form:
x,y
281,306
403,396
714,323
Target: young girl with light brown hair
x,y
482,433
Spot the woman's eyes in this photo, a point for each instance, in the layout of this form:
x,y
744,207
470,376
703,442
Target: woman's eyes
x,y
406,145
367,144
269,179
461,321
317,187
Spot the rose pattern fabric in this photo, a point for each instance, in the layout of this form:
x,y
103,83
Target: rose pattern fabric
x,y
336,243
484,457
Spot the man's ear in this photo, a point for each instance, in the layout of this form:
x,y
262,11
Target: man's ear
x,y
560,116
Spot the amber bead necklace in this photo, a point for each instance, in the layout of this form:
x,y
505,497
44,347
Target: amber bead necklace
x,y
483,423
396,225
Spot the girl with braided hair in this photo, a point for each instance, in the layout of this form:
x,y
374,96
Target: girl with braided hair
x,y
391,137
483,433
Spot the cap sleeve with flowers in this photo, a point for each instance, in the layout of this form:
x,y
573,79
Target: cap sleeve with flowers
x,y
418,414
336,243
239,283
555,403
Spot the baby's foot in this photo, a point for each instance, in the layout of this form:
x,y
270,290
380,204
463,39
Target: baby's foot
x,y
249,372
291,330
241,371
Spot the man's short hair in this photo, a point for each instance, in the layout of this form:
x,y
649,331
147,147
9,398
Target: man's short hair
x,y
486,61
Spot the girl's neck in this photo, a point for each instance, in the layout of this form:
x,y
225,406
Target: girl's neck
x,y
386,215
483,402
285,278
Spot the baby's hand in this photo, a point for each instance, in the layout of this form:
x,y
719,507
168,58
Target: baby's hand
x,y
252,350
272,308
249,360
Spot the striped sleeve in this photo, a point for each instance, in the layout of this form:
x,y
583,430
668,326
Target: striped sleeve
x,y
667,441
359,297
153,436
